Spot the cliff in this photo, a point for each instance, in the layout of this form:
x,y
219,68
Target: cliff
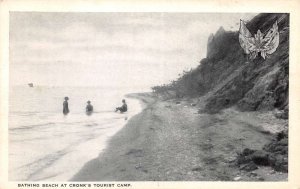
x,y
227,78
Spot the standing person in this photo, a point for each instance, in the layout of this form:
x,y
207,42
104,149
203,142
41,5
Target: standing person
x,y
89,108
66,106
123,108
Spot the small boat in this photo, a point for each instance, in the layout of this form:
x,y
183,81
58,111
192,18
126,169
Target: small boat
x,y
30,84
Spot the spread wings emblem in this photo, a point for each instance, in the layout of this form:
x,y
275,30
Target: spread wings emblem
x,y
265,44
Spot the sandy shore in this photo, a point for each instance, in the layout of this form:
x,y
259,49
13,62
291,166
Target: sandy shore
x,y
170,141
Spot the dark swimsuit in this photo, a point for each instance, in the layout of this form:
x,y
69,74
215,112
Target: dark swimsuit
x,y
65,108
89,108
123,108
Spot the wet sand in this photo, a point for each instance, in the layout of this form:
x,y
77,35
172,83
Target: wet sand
x,y
170,141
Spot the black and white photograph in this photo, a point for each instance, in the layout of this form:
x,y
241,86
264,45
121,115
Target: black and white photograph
x,y
148,96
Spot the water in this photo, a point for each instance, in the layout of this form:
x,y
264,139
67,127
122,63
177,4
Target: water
x,y
48,146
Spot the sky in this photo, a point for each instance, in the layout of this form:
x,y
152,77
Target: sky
x,y
110,49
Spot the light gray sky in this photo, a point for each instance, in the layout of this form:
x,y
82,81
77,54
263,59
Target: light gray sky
x,y
109,49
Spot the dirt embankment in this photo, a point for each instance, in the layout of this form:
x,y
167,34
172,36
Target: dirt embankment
x,y
227,79
171,141
234,80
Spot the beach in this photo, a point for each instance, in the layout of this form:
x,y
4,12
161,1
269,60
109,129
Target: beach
x,y
170,141
203,104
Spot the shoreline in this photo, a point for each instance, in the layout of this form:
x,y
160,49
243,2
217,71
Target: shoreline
x,y
170,141
71,141
145,99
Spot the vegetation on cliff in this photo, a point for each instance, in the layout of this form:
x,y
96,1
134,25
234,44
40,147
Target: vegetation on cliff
x,y
231,79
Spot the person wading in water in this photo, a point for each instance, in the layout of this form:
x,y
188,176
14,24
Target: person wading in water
x,y
66,106
89,108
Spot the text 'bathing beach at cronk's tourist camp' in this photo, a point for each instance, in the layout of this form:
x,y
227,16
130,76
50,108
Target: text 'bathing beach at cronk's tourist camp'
x,y
148,96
